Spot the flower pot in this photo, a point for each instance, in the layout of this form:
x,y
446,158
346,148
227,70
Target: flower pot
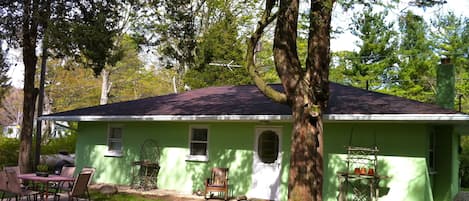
x,y
356,171
362,170
371,171
42,174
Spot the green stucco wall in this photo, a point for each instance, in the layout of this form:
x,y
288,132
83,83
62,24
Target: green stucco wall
x,y
402,157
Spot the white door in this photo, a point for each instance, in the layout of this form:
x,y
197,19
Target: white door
x,y
266,164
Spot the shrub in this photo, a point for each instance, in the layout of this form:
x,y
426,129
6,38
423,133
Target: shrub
x,y
9,148
66,143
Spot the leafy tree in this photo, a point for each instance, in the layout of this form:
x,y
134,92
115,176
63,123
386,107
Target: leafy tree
x,y
182,30
71,78
373,64
341,63
169,26
416,75
220,44
23,26
26,24
130,79
451,40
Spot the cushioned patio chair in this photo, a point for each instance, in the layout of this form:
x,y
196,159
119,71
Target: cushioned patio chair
x,y
218,182
79,189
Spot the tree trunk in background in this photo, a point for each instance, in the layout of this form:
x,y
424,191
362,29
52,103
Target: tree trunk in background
x,y
105,86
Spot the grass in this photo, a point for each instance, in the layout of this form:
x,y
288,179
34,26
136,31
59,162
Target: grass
x,y
96,196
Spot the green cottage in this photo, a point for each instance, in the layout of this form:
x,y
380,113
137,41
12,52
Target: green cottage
x,y
237,127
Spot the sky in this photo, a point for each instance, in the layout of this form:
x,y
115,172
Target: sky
x,y
345,41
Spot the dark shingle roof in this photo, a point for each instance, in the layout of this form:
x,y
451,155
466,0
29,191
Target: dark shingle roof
x,y
248,100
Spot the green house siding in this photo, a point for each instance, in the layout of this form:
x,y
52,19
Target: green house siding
x,y
447,164
402,157
230,145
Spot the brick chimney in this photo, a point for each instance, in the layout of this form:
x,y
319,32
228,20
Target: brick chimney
x,y
445,84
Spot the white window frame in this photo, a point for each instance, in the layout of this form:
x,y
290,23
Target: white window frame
x,y
200,158
114,153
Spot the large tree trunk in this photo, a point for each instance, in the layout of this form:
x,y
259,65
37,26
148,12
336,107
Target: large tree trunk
x,y
306,159
30,25
306,89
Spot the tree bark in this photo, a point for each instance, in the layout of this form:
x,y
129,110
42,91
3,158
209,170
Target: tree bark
x,y
105,86
306,89
29,38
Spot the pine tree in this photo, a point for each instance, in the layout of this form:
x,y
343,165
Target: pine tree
x,y
416,76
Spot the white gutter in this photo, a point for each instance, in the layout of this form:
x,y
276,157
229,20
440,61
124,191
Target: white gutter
x,y
327,117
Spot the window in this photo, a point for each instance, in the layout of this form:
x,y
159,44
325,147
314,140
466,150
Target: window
x,y
431,153
114,141
267,147
198,143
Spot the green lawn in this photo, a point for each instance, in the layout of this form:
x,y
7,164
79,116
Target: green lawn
x,y
121,197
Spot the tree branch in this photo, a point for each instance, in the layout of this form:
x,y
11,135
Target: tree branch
x,y
266,19
287,62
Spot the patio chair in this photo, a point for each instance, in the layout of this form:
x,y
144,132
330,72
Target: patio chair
x,y
89,170
13,168
79,189
3,184
66,172
14,186
218,182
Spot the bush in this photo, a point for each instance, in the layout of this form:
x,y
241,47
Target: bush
x,y
66,143
9,148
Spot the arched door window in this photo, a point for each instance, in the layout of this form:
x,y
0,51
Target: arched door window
x,y
267,147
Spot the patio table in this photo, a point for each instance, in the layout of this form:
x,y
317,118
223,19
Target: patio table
x,y
40,179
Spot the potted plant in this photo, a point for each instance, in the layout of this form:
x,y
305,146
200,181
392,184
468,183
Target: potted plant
x,y
42,170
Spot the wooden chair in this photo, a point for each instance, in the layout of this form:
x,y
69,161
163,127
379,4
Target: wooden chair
x,y
218,182
79,189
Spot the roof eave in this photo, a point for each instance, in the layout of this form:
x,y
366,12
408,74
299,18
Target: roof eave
x,y
281,118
